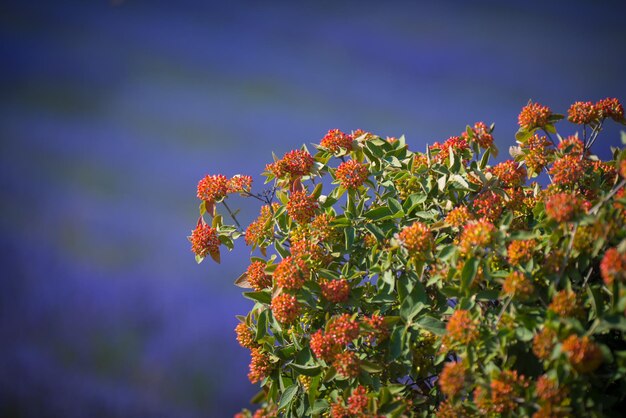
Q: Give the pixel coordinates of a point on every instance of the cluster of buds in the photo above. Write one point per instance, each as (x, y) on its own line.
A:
(583, 354)
(452, 379)
(214, 188)
(613, 266)
(478, 234)
(479, 133)
(518, 286)
(417, 239)
(335, 141)
(204, 240)
(351, 174)
(455, 143)
(534, 115)
(461, 328)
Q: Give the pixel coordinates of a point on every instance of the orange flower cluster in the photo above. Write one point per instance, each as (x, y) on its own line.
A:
(291, 273)
(459, 216)
(505, 389)
(296, 163)
(260, 366)
(336, 291)
(212, 188)
(534, 115)
(378, 330)
(343, 329)
(461, 328)
(456, 143)
(358, 401)
(553, 400)
(204, 240)
(261, 229)
(622, 168)
(510, 173)
(347, 364)
(335, 140)
(351, 174)
(477, 234)
(285, 308)
(257, 277)
(452, 379)
(543, 343)
(583, 354)
(301, 207)
(309, 251)
(321, 227)
(323, 346)
(611, 108)
(538, 153)
(416, 238)
(518, 286)
(239, 184)
(583, 113)
(563, 207)
(613, 266)
(481, 135)
(245, 336)
(568, 170)
(520, 251)
(565, 304)
(489, 205)
(572, 145)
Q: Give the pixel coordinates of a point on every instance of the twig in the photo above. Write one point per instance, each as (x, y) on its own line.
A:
(506, 305)
(232, 215)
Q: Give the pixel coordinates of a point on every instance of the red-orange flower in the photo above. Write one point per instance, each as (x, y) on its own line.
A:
(477, 234)
(543, 343)
(534, 115)
(461, 328)
(358, 401)
(257, 277)
(343, 329)
(520, 251)
(245, 336)
(323, 345)
(301, 207)
(285, 308)
(212, 188)
(482, 135)
(568, 170)
(336, 291)
(291, 273)
(538, 152)
(296, 163)
(563, 207)
(506, 387)
(489, 205)
(416, 238)
(510, 173)
(239, 184)
(613, 266)
(517, 285)
(566, 304)
(456, 143)
(459, 216)
(347, 364)
(351, 174)
(452, 379)
(583, 113)
(611, 108)
(335, 140)
(260, 230)
(260, 366)
(583, 354)
(204, 240)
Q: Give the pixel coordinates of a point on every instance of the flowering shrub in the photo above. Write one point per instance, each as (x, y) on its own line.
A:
(390, 282)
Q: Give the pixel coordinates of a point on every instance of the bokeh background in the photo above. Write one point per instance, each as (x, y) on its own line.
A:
(111, 112)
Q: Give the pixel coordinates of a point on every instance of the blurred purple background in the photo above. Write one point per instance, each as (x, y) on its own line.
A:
(111, 113)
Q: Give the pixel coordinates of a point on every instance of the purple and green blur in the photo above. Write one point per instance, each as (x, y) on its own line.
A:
(110, 113)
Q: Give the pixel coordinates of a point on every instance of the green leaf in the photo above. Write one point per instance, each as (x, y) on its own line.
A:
(262, 296)
(306, 370)
(318, 407)
(431, 324)
(371, 367)
(378, 214)
(349, 237)
(469, 272)
(288, 395)
(261, 325)
(376, 231)
(523, 334)
(395, 207)
(413, 303)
